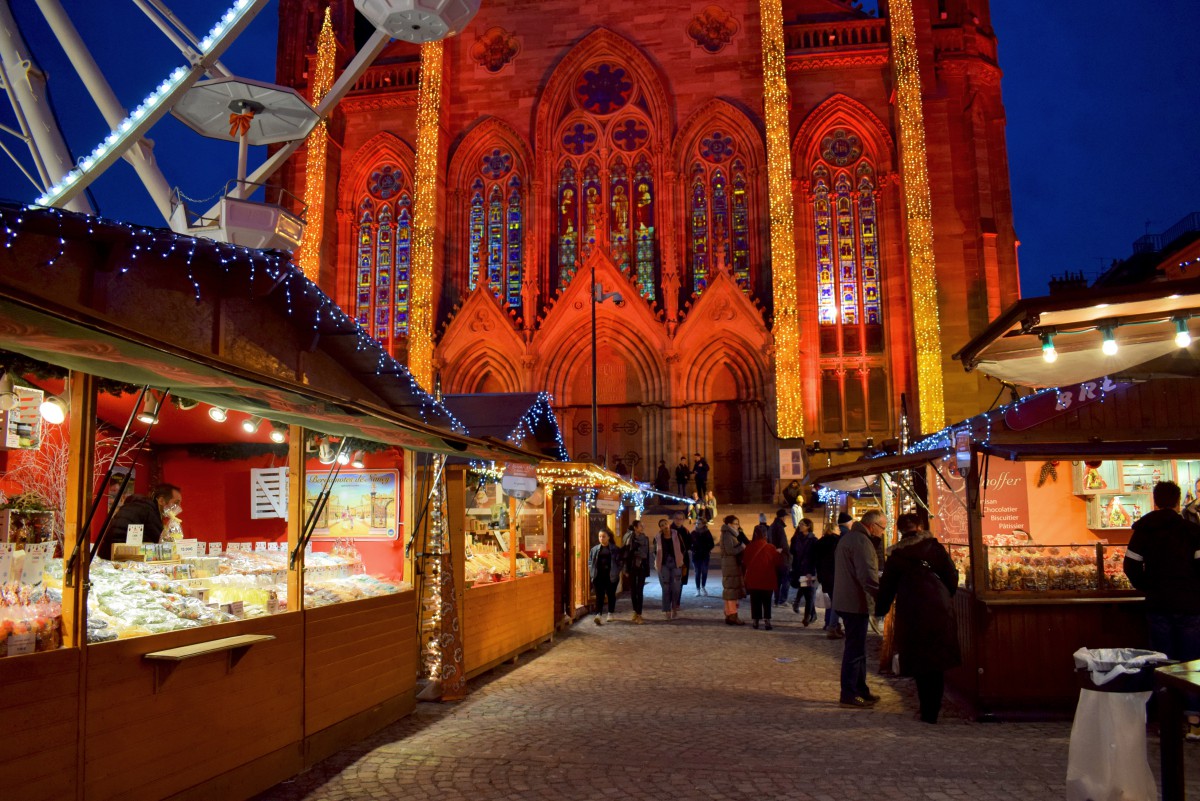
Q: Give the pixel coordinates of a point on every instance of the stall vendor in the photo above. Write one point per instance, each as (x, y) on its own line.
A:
(145, 511)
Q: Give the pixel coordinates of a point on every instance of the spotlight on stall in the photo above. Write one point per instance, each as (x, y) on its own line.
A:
(1048, 351)
(419, 21)
(149, 411)
(218, 414)
(357, 461)
(278, 433)
(1109, 347)
(1183, 337)
(343, 458)
(53, 410)
(325, 452)
(250, 424)
(8, 393)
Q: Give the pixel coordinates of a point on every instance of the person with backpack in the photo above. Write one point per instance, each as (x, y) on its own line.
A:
(920, 578)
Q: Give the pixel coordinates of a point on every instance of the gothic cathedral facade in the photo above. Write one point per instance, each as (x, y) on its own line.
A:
(626, 140)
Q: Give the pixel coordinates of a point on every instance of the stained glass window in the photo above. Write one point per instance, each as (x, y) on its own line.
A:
(869, 246)
(605, 191)
(847, 269)
(826, 292)
(516, 261)
(496, 227)
(384, 255)
(720, 236)
(475, 235)
(495, 235)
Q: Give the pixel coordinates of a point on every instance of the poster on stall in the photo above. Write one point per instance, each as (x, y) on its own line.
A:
(362, 504)
(1005, 501)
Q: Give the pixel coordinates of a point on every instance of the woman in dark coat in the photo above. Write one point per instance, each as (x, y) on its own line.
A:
(824, 557)
(762, 561)
(732, 588)
(920, 577)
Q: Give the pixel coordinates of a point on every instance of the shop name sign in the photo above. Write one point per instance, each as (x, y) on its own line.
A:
(1037, 409)
(519, 480)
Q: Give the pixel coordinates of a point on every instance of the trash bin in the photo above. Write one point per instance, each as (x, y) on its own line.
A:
(1107, 758)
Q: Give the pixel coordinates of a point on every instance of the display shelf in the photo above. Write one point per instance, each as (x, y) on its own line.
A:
(1117, 511)
(1090, 478)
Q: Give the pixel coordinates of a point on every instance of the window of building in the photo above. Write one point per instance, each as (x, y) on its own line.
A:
(496, 227)
(383, 259)
(718, 216)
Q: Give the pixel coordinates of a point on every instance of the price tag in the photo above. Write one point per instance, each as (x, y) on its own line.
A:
(237, 609)
(260, 546)
(19, 644)
(188, 549)
(272, 606)
(6, 555)
(214, 549)
(35, 561)
(133, 534)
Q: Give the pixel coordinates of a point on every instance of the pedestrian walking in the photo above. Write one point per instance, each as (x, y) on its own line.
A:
(732, 587)
(662, 479)
(804, 569)
(684, 532)
(762, 561)
(777, 536)
(700, 472)
(1163, 561)
(604, 568)
(682, 474)
(856, 582)
(637, 567)
(920, 578)
(702, 547)
(669, 562)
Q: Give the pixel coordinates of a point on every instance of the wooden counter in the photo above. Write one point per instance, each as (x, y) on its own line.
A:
(1017, 653)
(39, 705)
(505, 619)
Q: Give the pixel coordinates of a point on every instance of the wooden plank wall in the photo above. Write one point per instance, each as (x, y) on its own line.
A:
(358, 655)
(502, 620)
(39, 705)
(964, 679)
(204, 721)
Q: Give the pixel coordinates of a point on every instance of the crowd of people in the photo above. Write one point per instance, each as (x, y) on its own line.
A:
(843, 566)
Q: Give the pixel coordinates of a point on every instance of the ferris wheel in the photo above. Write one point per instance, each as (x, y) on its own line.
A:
(204, 95)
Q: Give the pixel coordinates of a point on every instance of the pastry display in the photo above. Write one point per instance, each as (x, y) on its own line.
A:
(1039, 569)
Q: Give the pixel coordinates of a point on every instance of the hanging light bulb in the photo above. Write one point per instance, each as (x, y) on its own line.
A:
(1110, 341)
(343, 458)
(357, 461)
(250, 424)
(218, 414)
(8, 393)
(53, 410)
(1048, 351)
(278, 434)
(325, 452)
(149, 411)
(1183, 337)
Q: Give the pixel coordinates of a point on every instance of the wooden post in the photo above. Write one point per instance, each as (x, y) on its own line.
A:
(81, 459)
(979, 566)
(514, 531)
(296, 512)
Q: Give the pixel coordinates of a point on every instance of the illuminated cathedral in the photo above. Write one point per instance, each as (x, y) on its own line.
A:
(628, 139)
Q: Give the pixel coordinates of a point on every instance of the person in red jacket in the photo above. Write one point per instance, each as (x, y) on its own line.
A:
(761, 561)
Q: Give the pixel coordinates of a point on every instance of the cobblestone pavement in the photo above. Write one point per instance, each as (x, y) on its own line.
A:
(691, 709)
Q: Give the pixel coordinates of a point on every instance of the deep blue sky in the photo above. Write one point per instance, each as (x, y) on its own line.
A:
(1101, 97)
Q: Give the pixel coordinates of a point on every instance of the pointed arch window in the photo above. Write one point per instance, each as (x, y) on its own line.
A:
(496, 227)
(718, 212)
(606, 190)
(382, 272)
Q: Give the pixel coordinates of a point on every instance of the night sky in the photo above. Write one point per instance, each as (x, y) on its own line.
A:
(1101, 97)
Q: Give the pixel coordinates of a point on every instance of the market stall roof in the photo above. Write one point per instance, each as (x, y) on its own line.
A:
(1140, 449)
(521, 418)
(862, 468)
(584, 475)
(1143, 319)
(128, 304)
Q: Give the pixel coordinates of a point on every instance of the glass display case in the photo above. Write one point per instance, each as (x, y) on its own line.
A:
(1092, 567)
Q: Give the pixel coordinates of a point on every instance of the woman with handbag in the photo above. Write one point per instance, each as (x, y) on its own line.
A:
(920, 578)
(732, 587)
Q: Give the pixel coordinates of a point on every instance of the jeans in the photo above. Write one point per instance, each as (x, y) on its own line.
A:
(781, 591)
(671, 579)
(701, 487)
(682, 488)
(831, 619)
(929, 693)
(760, 604)
(637, 592)
(605, 588)
(854, 656)
(701, 569)
(1177, 636)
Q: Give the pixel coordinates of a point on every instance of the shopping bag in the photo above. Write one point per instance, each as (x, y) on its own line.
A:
(1107, 757)
(822, 599)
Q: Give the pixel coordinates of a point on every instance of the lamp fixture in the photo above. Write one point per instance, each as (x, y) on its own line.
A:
(845, 444)
(1048, 352)
(278, 434)
(250, 424)
(218, 414)
(357, 461)
(343, 458)
(8, 393)
(149, 410)
(1110, 341)
(1183, 337)
(325, 452)
(53, 410)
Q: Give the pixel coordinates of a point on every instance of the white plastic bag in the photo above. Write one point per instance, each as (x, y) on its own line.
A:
(1105, 664)
(822, 599)
(1107, 758)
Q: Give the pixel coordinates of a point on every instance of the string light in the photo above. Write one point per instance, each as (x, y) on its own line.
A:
(429, 101)
(308, 255)
(789, 399)
(914, 173)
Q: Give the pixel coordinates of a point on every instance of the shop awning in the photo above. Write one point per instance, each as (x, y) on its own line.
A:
(861, 469)
(1076, 451)
(583, 475)
(1143, 320)
(106, 351)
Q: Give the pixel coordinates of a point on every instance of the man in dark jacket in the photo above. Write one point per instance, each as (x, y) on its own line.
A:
(777, 536)
(700, 471)
(682, 474)
(804, 568)
(662, 479)
(824, 554)
(145, 511)
(1163, 561)
(702, 548)
(856, 582)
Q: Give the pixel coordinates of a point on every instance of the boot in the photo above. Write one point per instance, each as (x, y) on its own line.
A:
(756, 623)
(731, 620)
(767, 625)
